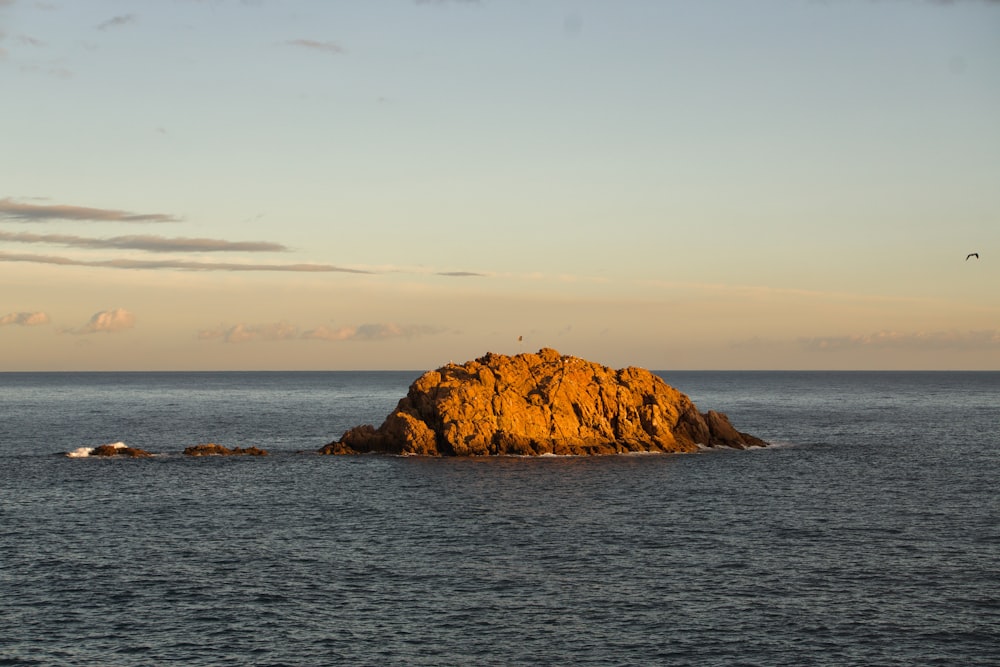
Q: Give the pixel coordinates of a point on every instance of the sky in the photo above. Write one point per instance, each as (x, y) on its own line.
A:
(396, 184)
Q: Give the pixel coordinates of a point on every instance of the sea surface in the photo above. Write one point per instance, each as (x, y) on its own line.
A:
(869, 534)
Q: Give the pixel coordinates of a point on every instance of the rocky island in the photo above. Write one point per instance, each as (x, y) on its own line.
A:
(537, 404)
(120, 449)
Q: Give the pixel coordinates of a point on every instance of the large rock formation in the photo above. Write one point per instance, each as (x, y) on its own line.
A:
(543, 403)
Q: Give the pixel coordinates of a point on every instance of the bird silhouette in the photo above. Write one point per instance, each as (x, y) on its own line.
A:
(972, 254)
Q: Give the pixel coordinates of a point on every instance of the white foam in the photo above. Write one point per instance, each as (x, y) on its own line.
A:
(781, 444)
(83, 452)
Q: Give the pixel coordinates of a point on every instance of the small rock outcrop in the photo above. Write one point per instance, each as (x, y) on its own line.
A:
(536, 404)
(212, 449)
(119, 450)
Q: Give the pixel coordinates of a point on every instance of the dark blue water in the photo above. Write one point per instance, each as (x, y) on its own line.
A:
(869, 536)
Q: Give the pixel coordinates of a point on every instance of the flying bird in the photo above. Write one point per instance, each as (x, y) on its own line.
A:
(972, 254)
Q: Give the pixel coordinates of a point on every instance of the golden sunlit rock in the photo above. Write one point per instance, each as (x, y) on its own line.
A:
(537, 404)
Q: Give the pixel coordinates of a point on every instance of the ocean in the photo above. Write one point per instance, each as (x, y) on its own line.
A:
(869, 534)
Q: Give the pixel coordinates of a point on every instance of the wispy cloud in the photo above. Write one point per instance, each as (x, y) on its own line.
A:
(25, 319)
(380, 331)
(57, 71)
(276, 331)
(14, 210)
(896, 339)
(183, 265)
(106, 321)
(149, 243)
(743, 291)
(332, 48)
(460, 274)
(117, 21)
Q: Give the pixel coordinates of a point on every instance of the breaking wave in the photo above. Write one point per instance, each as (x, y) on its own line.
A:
(84, 452)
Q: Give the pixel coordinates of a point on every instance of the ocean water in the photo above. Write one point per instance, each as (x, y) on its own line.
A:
(868, 535)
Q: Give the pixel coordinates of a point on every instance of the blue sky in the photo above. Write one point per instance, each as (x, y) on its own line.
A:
(264, 184)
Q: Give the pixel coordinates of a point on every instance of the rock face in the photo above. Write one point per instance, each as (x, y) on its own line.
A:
(212, 449)
(545, 403)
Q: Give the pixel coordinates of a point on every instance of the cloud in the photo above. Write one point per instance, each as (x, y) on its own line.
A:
(30, 41)
(149, 243)
(106, 321)
(326, 47)
(12, 210)
(117, 21)
(58, 72)
(183, 265)
(186, 265)
(328, 333)
(24, 319)
(459, 274)
(369, 332)
(242, 333)
(894, 339)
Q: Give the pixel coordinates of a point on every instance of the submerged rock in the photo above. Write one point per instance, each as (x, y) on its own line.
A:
(545, 403)
(212, 449)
